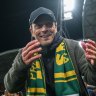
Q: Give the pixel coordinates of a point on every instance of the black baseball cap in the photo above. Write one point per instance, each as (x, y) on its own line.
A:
(41, 11)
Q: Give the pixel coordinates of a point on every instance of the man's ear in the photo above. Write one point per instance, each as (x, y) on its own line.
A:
(55, 23)
(31, 31)
(30, 28)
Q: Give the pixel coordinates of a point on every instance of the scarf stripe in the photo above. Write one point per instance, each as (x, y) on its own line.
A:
(64, 75)
(60, 81)
(40, 90)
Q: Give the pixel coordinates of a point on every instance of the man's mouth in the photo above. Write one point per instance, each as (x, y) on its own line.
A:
(45, 35)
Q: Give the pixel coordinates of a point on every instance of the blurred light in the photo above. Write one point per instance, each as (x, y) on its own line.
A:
(68, 16)
(68, 8)
(69, 5)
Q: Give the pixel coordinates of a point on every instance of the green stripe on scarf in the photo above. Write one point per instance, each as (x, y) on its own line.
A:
(65, 78)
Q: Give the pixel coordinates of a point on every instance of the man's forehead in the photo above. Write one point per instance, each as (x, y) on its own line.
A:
(43, 19)
(43, 23)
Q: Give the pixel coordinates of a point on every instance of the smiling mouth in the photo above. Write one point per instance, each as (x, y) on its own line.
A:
(45, 35)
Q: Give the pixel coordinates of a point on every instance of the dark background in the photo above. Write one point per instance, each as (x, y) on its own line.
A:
(14, 17)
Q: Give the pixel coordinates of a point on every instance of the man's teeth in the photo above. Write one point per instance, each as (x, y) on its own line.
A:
(45, 35)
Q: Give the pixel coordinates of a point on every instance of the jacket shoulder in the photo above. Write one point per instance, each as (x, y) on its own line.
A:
(71, 42)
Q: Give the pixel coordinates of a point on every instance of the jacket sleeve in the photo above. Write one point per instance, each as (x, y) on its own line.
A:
(86, 69)
(15, 79)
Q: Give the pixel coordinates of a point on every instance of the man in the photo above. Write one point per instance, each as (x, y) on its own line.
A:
(50, 64)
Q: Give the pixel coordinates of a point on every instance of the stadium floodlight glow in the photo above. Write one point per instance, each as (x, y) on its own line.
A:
(68, 8)
(68, 5)
(68, 16)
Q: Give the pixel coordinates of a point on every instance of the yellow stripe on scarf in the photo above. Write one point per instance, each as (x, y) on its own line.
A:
(65, 75)
(39, 90)
(36, 95)
(58, 81)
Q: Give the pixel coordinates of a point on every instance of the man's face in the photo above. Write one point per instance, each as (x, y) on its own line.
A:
(44, 31)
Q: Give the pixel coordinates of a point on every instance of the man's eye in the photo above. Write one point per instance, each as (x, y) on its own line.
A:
(38, 26)
(49, 24)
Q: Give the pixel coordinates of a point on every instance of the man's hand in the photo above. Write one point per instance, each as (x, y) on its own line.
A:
(28, 52)
(90, 50)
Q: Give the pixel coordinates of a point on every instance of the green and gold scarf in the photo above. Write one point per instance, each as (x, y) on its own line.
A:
(65, 78)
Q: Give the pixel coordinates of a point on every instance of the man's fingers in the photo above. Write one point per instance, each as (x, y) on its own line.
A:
(92, 61)
(29, 61)
(28, 52)
(90, 56)
(90, 51)
(31, 53)
(31, 47)
(91, 42)
(90, 46)
(30, 43)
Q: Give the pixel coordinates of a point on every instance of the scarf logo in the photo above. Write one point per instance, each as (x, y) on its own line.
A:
(33, 72)
(61, 55)
(61, 59)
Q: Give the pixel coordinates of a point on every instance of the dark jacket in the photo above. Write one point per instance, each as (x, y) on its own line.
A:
(16, 77)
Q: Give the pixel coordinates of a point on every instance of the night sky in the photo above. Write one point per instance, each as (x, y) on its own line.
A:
(14, 16)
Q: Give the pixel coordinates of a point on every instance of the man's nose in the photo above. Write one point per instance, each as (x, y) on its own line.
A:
(44, 27)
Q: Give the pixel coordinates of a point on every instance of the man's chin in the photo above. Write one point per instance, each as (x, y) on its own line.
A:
(46, 43)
